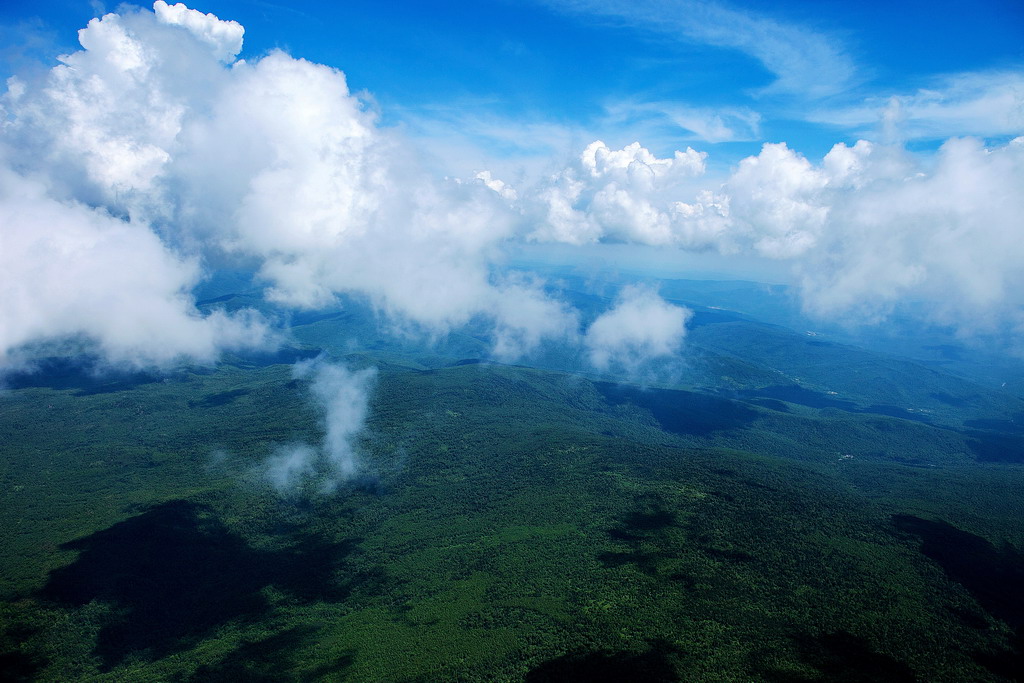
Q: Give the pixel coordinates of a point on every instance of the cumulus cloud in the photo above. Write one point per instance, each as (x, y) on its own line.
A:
(342, 397)
(951, 234)
(74, 271)
(867, 227)
(774, 199)
(225, 37)
(270, 160)
(640, 327)
(152, 150)
(527, 317)
(83, 156)
(772, 203)
(873, 225)
(613, 194)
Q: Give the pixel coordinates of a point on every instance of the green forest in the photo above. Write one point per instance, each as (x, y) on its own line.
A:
(783, 509)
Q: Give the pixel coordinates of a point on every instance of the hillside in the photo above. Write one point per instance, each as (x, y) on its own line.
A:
(517, 523)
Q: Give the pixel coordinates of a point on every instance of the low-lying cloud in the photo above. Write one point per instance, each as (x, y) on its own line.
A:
(638, 328)
(866, 228)
(73, 271)
(342, 397)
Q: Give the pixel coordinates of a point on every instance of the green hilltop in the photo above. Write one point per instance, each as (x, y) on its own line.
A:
(777, 507)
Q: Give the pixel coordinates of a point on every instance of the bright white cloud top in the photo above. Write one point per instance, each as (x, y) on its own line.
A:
(272, 160)
(152, 151)
(639, 327)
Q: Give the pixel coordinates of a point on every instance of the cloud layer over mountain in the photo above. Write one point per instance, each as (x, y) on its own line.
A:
(867, 227)
(153, 152)
(154, 137)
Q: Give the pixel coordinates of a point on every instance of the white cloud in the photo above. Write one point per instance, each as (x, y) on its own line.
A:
(872, 226)
(775, 199)
(710, 124)
(805, 62)
(273, 160)
(70, 271)
(985, 103)
(290, 466)
(499, 186)
(868, 227)
(526, 317)
(726, 124)
(147, 141)
(225, 37)
(950, 233)
(640, 327)
(612, 194)
(342, 397)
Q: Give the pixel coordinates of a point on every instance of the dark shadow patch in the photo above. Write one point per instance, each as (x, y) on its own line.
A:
(17, 663)
(224, 298)
(894, 411)
(993, 576)
(269, 660)
(969, 618)
(793, 393)
(705, 317)
(219, 399)
(946, 351)
(256, 359)
(18, 659)
(995, 447)
(681, 412)
(1007, 663)
(18, 666)
(771, 404)
(310, 317)
(175, 572)
(642, 530)
(649, 518)
(654, 518)
(1014, 425)
(842, 657)
(604, 666)
(729, 555)
(758, 485)
(83, 374)
(948, 399)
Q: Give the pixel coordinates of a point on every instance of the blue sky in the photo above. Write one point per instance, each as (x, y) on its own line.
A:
(723, 76)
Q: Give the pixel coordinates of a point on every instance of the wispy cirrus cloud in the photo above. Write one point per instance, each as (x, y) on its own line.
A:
(804, 62)
(985, 103)
(707, 124)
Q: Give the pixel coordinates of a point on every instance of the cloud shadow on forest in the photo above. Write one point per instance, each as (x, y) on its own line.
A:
(175, 572)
